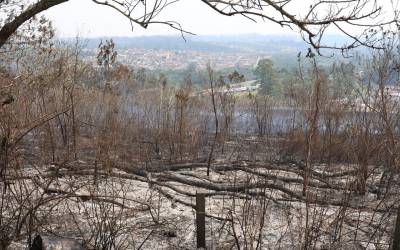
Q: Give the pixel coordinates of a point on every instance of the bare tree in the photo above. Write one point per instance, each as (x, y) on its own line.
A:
(211, 79)
(15, 13)
(319, 16)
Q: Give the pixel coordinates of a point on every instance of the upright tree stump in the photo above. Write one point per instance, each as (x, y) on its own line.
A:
(396, 234)
(201, 220)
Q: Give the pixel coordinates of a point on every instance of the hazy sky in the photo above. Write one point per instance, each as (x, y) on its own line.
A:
(87, 19)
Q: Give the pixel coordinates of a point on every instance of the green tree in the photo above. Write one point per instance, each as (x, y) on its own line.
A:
(343, 76)
(266, 73)
(235, 77)
(141, 75)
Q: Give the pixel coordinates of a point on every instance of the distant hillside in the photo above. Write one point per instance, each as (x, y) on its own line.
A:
(271, 44)
(242, 43)
(163, 43)
(248, 43)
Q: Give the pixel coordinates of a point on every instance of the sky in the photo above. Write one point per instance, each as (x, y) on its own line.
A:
(86, 19)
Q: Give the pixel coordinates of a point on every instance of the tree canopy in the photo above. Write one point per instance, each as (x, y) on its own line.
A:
(265, 71)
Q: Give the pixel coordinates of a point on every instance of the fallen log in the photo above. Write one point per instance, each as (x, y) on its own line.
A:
(55, 243)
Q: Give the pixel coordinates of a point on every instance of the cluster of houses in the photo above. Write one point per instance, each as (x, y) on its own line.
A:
(246, 87)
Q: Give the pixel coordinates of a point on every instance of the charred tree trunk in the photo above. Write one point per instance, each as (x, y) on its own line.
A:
(3, 157)
(396, 235)
(11, 27)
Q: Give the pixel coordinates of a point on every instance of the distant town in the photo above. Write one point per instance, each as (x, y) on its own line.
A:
(174, 53)
(153, 59)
